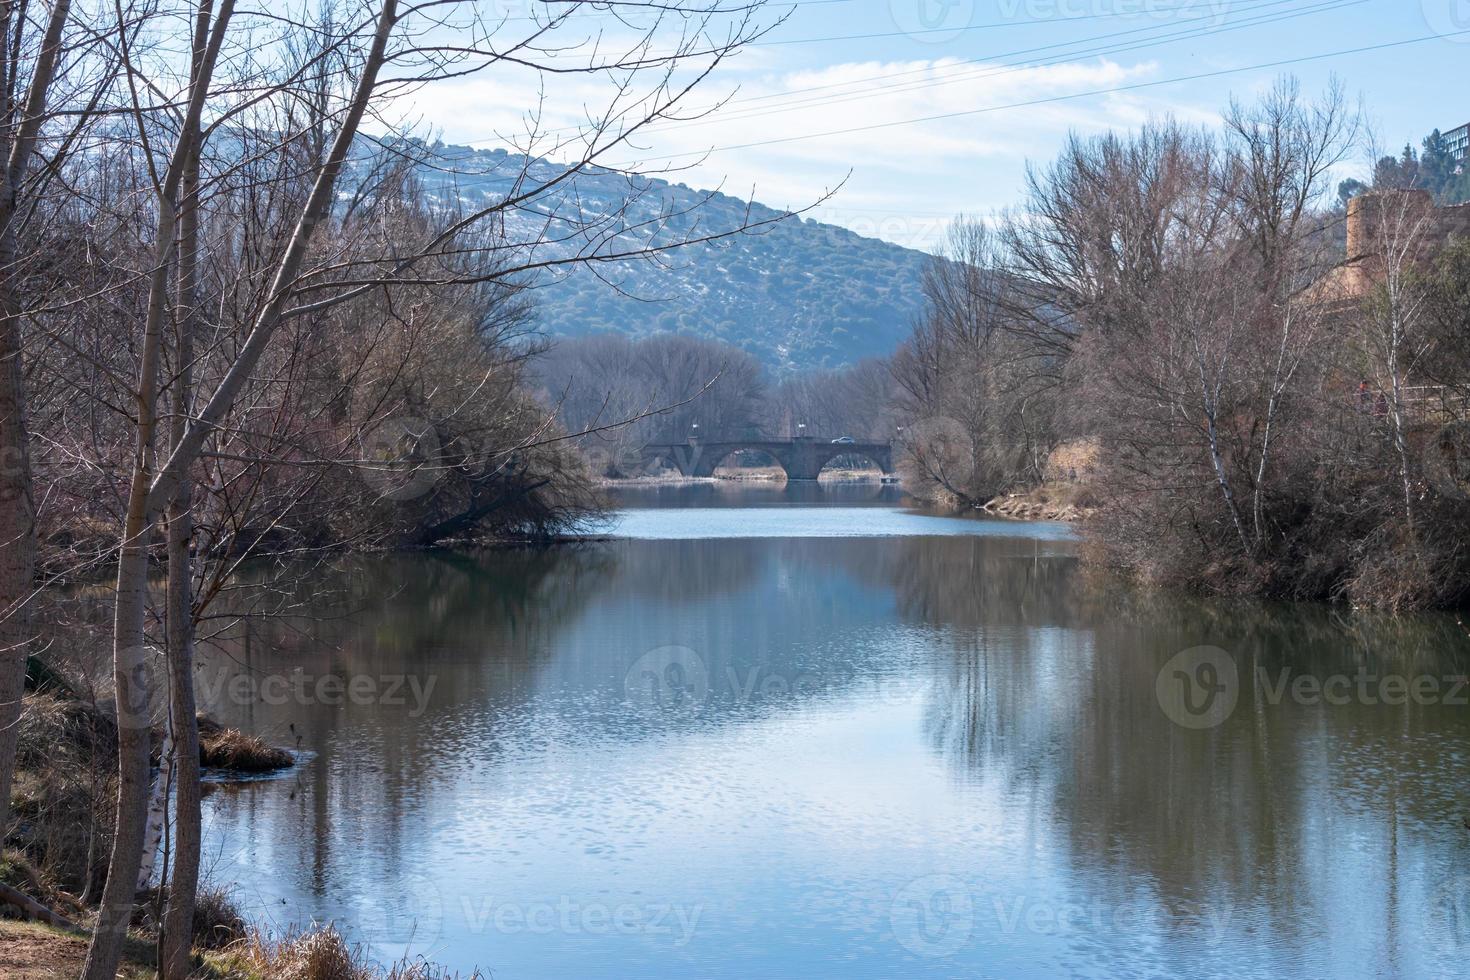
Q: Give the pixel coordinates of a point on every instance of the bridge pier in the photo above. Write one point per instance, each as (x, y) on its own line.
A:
(801, 458)
(801, 461)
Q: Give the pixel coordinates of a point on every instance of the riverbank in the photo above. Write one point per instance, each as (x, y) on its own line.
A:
(1049, 502)
(31, 951)
(55, 858)
(55, 861)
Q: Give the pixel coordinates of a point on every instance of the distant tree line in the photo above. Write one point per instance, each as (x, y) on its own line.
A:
(681, 387)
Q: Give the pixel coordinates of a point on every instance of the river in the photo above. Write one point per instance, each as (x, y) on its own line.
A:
(768, 733)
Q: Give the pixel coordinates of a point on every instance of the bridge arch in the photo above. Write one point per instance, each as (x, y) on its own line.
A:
(860, 456)
(711, 461)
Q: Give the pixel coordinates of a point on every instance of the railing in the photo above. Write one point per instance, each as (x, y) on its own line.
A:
(767, 440)
(1419, 401)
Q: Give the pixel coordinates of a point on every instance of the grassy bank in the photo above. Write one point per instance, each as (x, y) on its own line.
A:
(31, 951)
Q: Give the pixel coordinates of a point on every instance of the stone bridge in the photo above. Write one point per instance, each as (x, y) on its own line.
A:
(802, 459)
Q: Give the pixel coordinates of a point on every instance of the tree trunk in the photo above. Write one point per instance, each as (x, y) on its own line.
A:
(134, 697)
(178, 920)
(130, 660)
(157, 810)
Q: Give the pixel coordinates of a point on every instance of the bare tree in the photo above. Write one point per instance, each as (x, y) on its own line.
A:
(32, 63)
(284, 124)
(976, 395)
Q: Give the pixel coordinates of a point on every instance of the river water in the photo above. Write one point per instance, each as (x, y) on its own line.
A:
(808, 733)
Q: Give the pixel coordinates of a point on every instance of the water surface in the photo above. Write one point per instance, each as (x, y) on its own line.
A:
(806, 733)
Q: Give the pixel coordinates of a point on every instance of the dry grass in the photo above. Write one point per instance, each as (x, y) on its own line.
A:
(217, 922)
(1075, 461)
(226, 748)
(66, 781)
(319, 955)
(1048, 502)
(63, 790)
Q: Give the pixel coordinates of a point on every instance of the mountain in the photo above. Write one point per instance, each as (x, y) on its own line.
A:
(798, 294)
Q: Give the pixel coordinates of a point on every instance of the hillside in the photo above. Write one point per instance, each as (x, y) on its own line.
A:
(799, 294)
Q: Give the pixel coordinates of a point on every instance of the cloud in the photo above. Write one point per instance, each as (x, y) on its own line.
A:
(903, 179)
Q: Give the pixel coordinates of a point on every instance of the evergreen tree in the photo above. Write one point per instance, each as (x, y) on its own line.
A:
(1349, 189)
(1436, 167)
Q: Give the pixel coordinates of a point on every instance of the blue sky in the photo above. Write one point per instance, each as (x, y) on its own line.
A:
(948, 57)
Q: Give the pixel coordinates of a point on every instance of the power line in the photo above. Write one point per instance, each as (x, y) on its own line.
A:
(984, 58)
(613, 15)
(992, 26)
(991, 71)
(1286, 62)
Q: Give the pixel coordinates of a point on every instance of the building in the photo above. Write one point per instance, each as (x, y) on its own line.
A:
(1380, 222)
(1457, 141)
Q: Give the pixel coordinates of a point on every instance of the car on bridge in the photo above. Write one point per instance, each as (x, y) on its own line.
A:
(843, 441)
